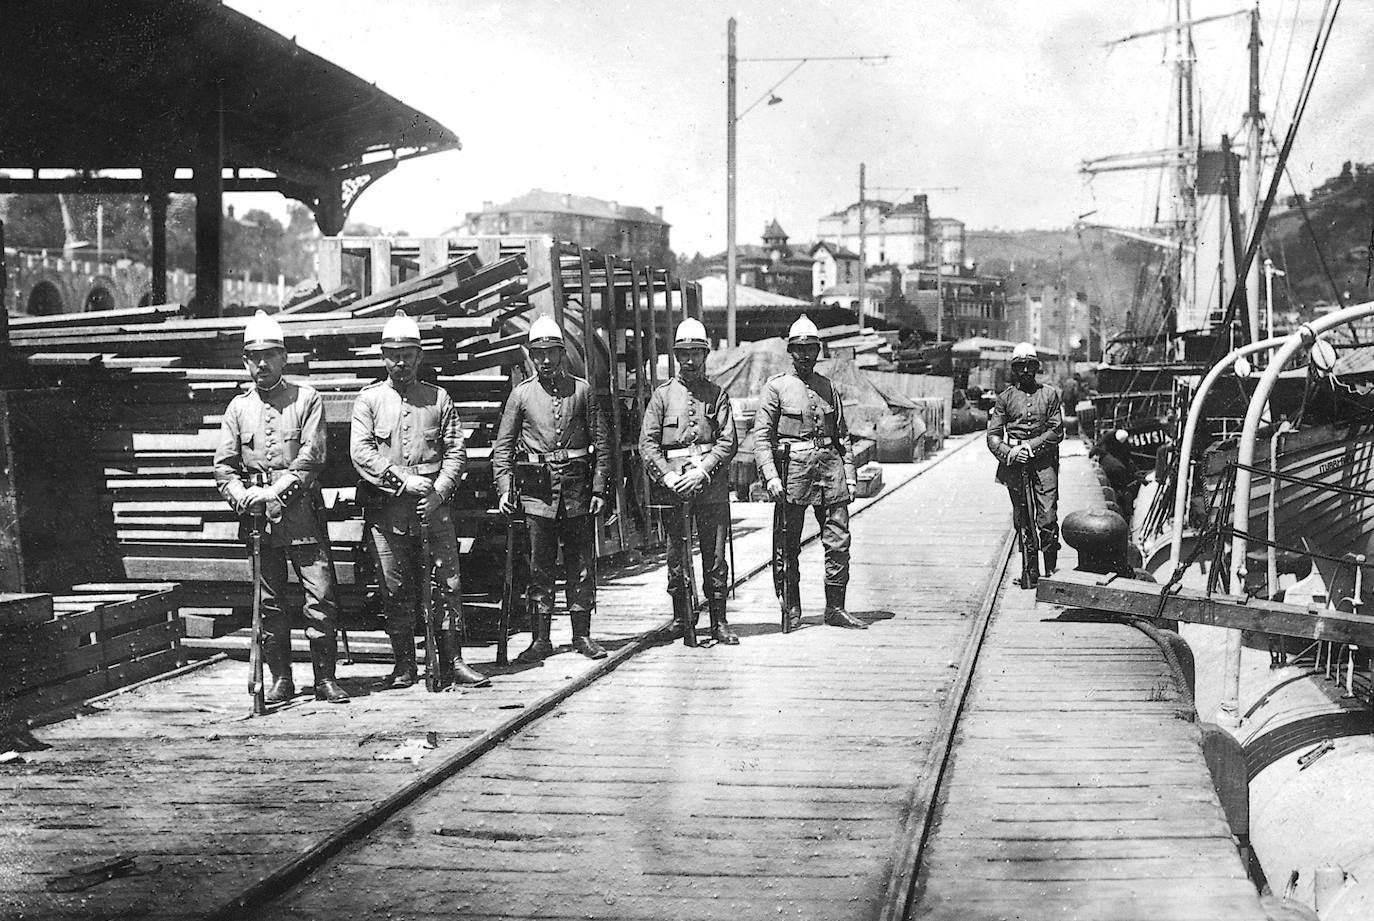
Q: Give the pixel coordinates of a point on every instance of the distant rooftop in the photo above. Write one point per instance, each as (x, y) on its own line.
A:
(834, 249)
(566, 203)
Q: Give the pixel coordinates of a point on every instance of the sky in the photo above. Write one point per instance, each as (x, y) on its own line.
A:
(991, 105)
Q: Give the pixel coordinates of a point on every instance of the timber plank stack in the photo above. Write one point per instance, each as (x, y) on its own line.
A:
(155, 385)
(152, 385)
(57, 650)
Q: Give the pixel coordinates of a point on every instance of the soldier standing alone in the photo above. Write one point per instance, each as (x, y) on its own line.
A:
(271, 451)
(801, 445)
(687, 441)
(554, 445)
(1025, 428)
(407, 446)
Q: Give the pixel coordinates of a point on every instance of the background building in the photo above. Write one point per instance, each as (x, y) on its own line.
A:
(901, 234)
(958, 305)
(832, 266)
(774, 267)
(608, 226)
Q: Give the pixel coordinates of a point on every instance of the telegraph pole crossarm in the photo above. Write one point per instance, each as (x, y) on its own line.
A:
(732, 119)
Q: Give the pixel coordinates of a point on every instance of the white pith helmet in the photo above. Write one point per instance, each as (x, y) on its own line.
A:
(803, 332)
(262, 332)
(1024, 352)
(544, 332)
(691, 335)
(401, 330)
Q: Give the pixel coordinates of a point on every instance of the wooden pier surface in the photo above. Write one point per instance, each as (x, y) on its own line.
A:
(769, 780)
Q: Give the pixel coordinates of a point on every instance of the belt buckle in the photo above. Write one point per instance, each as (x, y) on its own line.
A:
(560, 455)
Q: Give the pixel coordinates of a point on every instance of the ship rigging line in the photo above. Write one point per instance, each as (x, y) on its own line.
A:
(1314, 61)
(1316, 244)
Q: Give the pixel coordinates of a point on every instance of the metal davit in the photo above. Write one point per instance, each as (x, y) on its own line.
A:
(1228, 713)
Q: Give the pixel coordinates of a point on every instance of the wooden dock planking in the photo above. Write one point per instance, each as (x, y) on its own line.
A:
(168, 757)
(794, 752)
(1075, 791)
(763, 780)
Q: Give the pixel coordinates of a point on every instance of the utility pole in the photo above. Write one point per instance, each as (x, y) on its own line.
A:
(939, 307)
(730, 305)
(1254, 123)
(731, 162)
(863, 251)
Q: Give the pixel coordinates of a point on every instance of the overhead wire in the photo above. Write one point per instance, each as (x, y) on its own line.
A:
(1323, 36)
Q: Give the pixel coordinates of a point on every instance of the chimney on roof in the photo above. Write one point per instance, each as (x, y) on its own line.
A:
(487, 205)
(658, 212)
(615, 205)
(567, 201)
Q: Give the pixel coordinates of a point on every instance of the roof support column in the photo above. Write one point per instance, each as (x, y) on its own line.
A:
(209, 267)
(209, 186)
(157, 225)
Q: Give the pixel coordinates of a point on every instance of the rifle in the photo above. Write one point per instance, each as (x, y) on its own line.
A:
(1028, 534)
(780, 534)
(689, 624)
(255, 678)
(432, 664)
(507, 591)
(256, 685)
(730, 539)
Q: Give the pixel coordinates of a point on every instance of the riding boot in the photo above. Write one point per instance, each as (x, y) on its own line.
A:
(791, 607)
(454, 671)
(677, 630)
(1030, 570)
(835, 614)
(323, 652)
(1051, 560)
(541, 626)
(720, 630)
(403, 673)
(582, 636)
(276, 654)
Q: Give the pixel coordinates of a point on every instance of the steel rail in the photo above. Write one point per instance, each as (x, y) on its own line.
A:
(900, 893)
(290, 873)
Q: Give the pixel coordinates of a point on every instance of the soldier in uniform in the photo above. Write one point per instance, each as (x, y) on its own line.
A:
(687, 441)
(271, 451)
(1025, 428)
(407, 446)
(554, 445)
(801, 444)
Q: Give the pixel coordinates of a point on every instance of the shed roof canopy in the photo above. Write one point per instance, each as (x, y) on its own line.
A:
(140, 83)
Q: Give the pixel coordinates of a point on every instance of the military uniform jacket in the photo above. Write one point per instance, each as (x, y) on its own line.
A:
(694, 423)
(550, 420)
(804, 419)
(397, 433)
(278, 436)
(1019, 417)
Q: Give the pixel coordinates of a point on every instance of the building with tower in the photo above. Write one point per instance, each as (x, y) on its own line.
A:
(774, 267)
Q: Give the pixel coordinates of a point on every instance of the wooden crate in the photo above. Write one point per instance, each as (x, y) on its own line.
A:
(100, 637)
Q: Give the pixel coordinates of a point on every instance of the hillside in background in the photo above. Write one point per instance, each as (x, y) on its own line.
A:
(1340, 228)
(1121, 275)
(1114, 273)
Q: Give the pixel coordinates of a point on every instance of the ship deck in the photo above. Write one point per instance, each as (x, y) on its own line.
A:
(968, 756)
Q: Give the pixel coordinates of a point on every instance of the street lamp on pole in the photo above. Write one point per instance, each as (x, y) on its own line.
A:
(731, 120)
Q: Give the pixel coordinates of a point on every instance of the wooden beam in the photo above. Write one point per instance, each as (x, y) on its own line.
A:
(1141, 599)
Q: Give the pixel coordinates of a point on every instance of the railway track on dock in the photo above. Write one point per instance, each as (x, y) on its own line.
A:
(532, 798)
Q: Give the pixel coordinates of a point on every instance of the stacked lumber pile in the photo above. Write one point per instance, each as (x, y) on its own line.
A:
(145, 390)
(869, 349)
(153, 386)
(57, 650)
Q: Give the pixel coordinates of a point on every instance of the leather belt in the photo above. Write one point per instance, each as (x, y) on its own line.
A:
(562, 454)
(818, 442)
(429, 469)
(686, 451)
